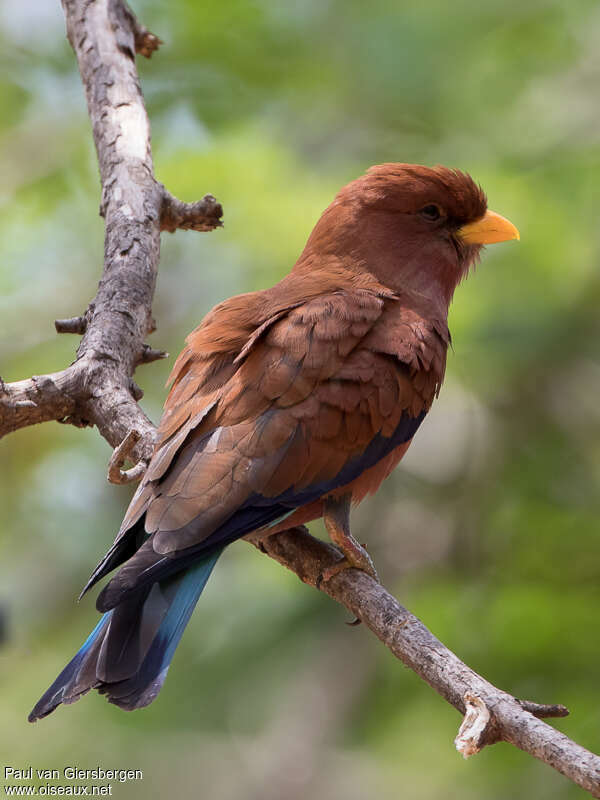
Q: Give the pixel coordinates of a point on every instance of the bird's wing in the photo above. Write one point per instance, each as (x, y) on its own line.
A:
(312, 399)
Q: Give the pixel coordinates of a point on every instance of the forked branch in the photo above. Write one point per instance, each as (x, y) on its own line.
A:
(97, 389)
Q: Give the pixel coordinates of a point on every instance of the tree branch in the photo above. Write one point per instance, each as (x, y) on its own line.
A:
(71, 325)
(201, 216)
(145, 42)
(492, 715)
(121, 453)
(98, 387)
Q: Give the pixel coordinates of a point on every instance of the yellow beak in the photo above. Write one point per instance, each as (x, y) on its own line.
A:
(491, 228)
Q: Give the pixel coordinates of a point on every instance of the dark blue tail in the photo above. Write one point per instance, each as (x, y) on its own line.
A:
(127, 655)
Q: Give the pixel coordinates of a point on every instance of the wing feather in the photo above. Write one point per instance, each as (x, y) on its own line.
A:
(311, 396)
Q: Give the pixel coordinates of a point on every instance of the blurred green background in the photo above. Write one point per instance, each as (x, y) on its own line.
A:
(489, 529)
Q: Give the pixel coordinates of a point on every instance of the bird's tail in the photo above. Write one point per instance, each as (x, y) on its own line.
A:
(127, 655)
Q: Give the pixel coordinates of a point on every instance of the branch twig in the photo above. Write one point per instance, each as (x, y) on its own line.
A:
(150, 354)
(71, 325)
(121, 453)
(145, 42)
(201, 216)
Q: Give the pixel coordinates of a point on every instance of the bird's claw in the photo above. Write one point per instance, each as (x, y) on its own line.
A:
(359, 559)
(333, 569)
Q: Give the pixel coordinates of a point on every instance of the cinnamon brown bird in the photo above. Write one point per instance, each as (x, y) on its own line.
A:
(286, 405)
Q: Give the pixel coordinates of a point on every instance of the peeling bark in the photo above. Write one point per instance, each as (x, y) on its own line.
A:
(98, 388)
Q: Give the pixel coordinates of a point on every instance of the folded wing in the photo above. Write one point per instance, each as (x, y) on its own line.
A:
(314, 396)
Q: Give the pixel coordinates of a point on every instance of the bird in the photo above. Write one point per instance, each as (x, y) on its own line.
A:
(286, 405)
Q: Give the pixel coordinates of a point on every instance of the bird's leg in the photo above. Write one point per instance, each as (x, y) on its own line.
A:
(336, 516)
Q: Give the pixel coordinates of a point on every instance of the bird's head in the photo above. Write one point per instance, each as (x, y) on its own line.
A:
(414, 228)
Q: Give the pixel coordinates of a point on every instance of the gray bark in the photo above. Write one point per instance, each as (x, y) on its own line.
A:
(507, 719)
(98, 388)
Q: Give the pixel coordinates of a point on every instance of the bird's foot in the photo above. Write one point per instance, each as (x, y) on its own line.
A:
(336, 516)
(354, 556)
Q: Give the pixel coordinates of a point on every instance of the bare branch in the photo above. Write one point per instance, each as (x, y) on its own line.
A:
(98, 388)
(509, 720)
(543, 711)
(71, 325)
(115, 472)
(149, 354)
(201, 216)
(39, 399)
(145, 42)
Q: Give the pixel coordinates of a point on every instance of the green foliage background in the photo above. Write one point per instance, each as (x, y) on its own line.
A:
(488, 531)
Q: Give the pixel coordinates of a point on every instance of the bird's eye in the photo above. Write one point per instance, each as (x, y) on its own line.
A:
(431, 212)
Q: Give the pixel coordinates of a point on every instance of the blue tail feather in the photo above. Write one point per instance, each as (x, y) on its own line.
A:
(141, 689)
(128, 653)
(62, 690)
